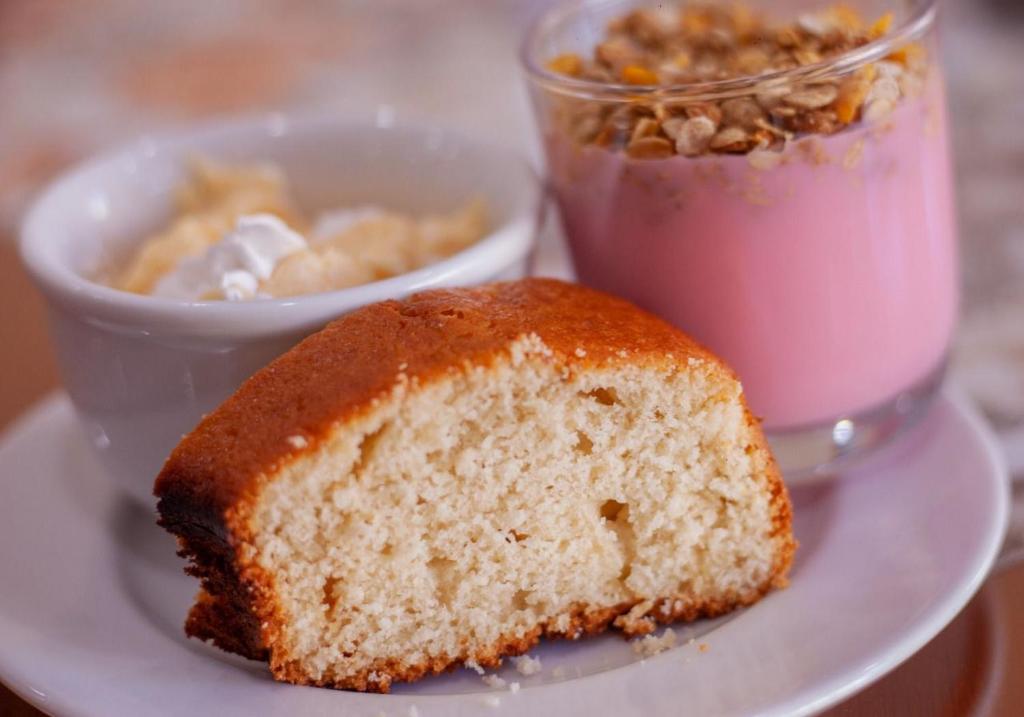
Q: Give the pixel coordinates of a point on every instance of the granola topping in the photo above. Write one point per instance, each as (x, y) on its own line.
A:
(675, 45)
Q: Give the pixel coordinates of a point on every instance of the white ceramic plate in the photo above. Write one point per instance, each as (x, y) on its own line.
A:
(92, 599)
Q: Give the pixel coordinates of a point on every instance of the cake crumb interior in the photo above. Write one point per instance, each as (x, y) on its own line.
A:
(462, 513)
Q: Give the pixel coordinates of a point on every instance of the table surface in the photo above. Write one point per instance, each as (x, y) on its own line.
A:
(140, 66)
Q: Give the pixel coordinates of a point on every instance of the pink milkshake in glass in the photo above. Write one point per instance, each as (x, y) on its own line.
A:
(776, 185)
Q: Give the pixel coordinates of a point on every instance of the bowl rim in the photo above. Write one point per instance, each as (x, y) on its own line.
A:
(501, 247)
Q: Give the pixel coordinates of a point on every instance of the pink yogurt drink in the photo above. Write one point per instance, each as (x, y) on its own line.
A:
(828, 281)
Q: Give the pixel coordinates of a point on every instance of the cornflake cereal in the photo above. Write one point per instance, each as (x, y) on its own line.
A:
(237, 234)
(666, 46)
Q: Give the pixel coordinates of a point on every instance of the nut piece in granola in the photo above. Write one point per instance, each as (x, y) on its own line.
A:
(813, 97)
(692, 136)
(742, 112)
(650, 148)
(730, 139)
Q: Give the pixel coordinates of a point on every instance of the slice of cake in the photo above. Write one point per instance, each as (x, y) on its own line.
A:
(446, 479)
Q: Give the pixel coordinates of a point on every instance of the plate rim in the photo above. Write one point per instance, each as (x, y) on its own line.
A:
(947, 609)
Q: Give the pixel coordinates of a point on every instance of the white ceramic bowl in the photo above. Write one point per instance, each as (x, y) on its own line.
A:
(141, 371)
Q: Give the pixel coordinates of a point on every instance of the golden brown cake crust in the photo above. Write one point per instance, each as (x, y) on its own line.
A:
(212, 477)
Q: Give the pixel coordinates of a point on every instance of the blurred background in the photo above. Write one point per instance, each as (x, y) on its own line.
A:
(77, 76)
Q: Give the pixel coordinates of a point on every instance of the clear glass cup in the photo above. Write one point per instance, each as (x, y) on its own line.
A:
(822, 266)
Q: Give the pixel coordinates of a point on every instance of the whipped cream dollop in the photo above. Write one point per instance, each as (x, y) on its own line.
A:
(235, 265)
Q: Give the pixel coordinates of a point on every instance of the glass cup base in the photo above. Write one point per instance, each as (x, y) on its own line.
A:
(815, 453)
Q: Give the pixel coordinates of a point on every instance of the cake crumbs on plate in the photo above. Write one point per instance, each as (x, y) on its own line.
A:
(491, 700)
(513, 687)
(526, 665)
(651, 645)
(558, 672)
(473, 665)
(703, 647)
(493, 681)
